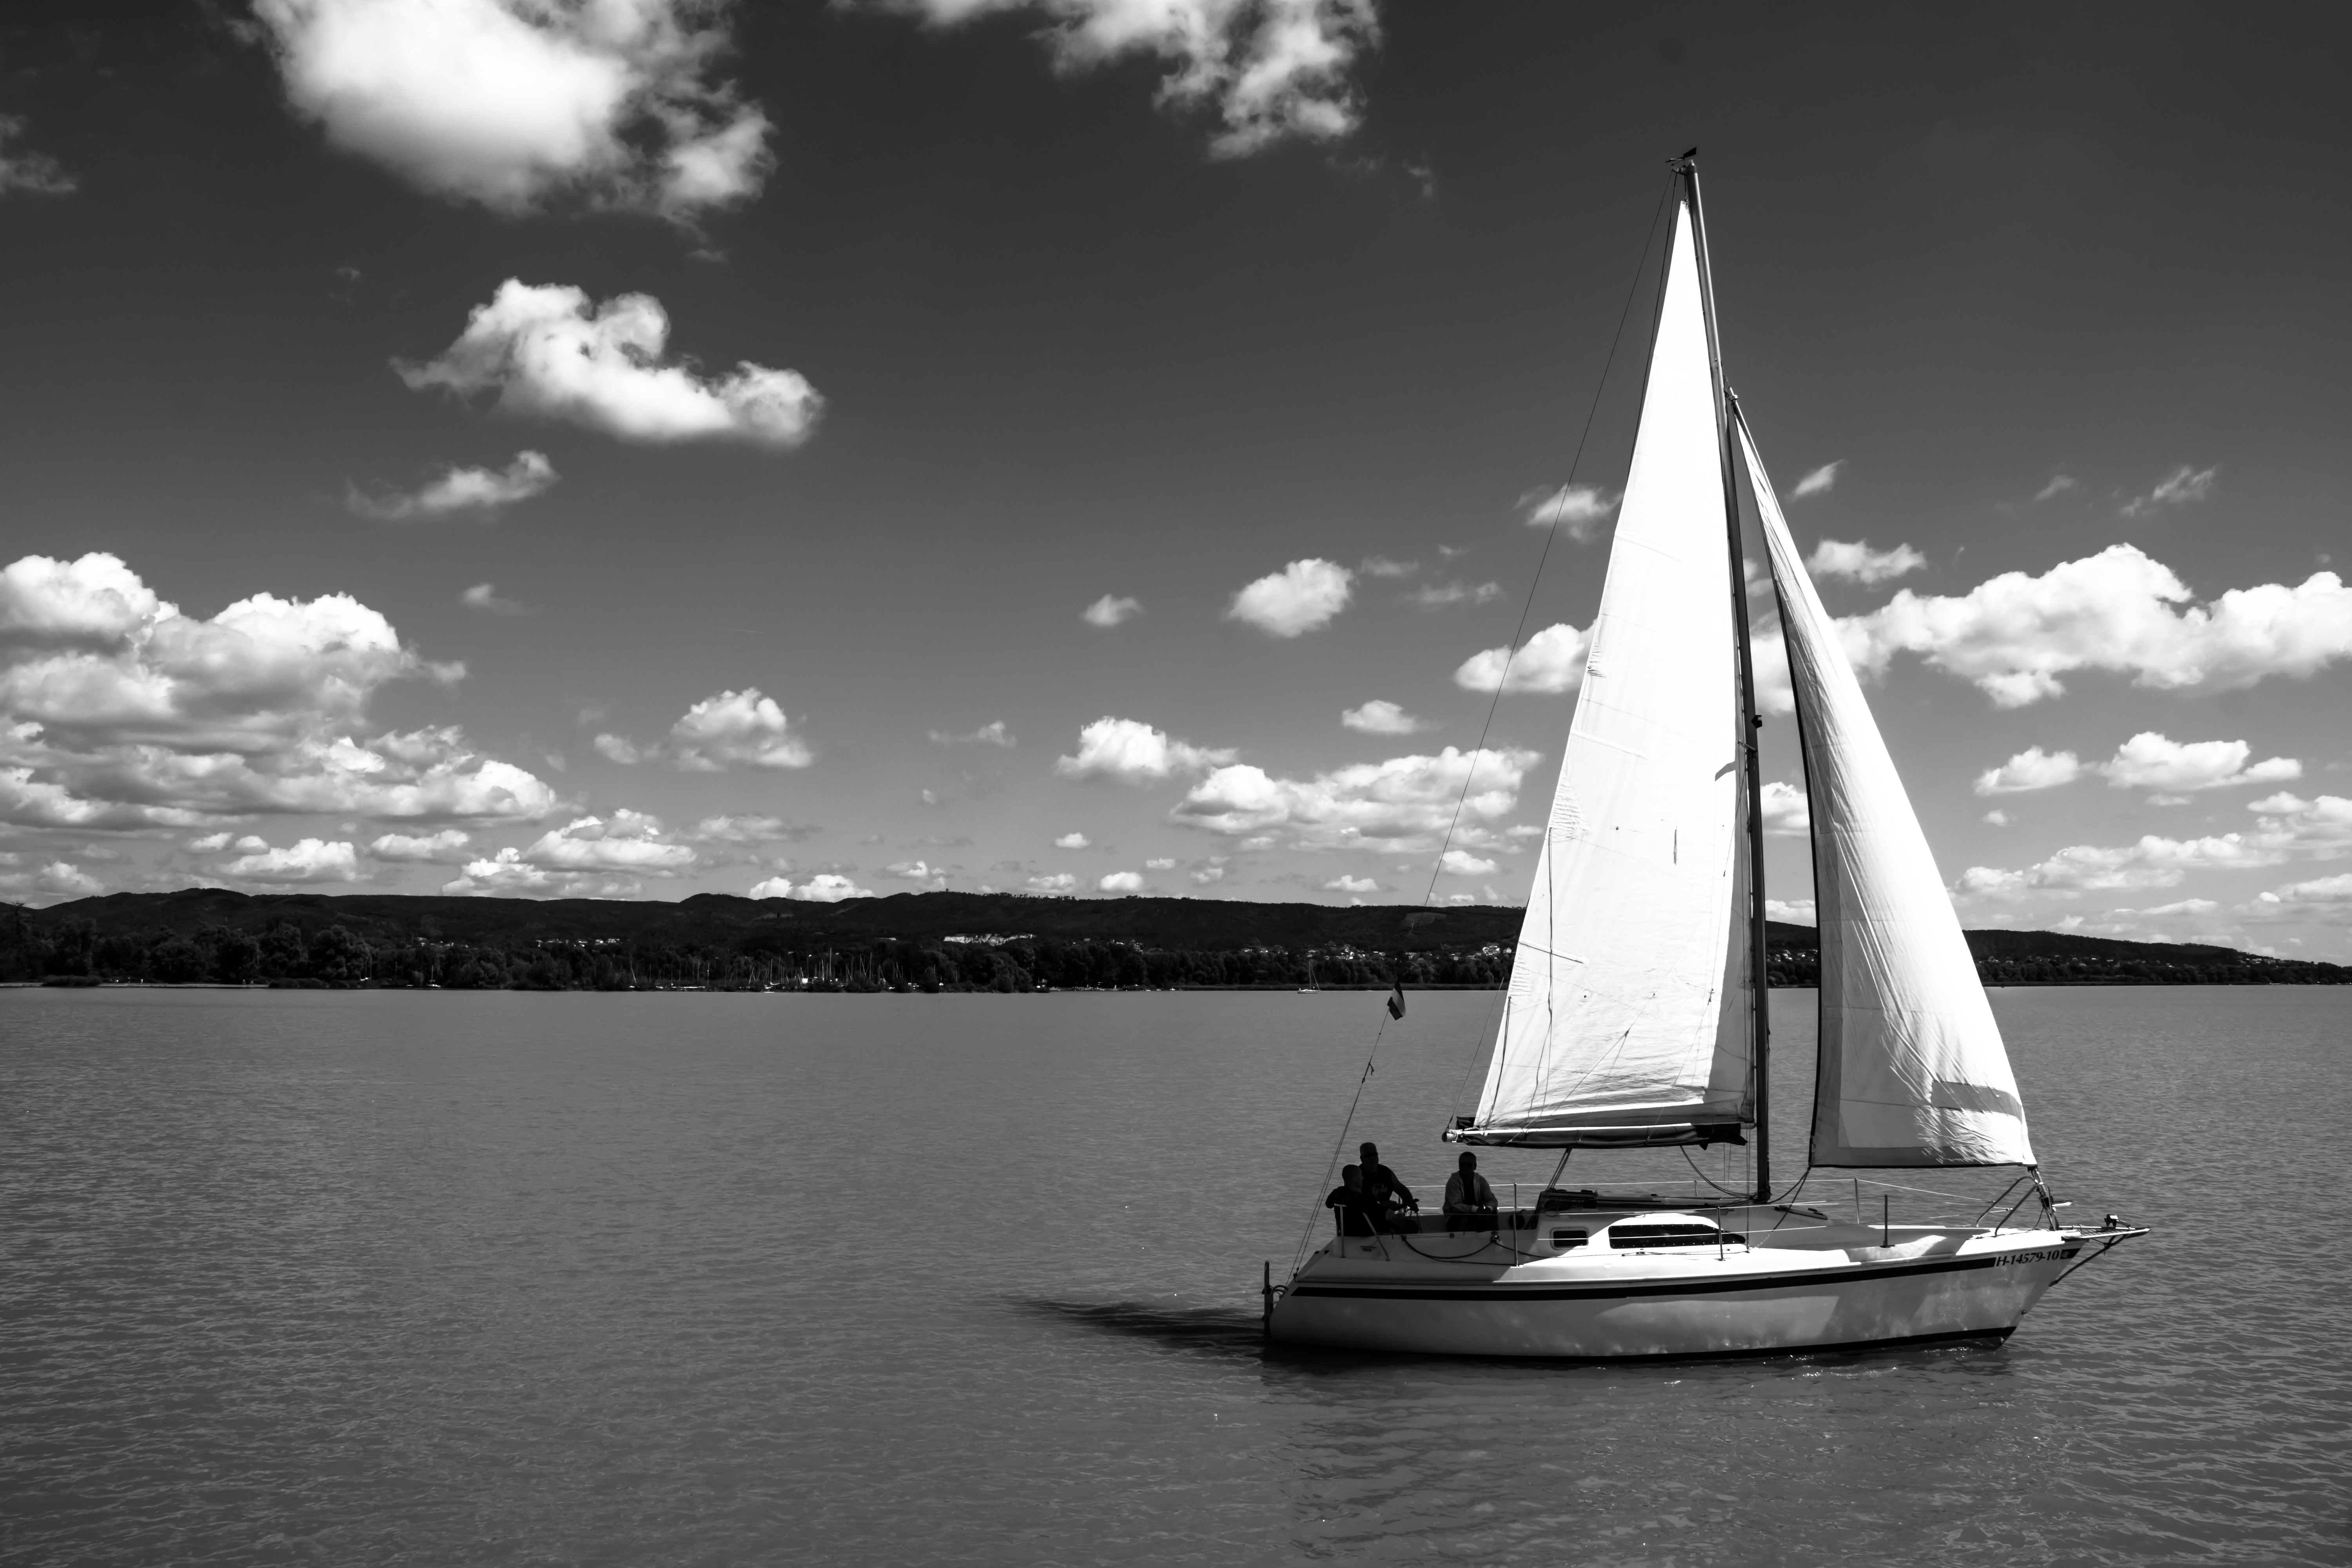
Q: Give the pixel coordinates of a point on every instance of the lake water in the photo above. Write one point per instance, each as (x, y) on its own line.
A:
(381, 1277)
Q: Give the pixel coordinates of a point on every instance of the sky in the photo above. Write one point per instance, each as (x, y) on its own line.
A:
(645, 448)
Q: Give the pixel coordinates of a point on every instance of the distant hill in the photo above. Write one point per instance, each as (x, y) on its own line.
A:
(950, 940)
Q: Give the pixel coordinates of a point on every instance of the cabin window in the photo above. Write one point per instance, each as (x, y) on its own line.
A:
(1561, 1240)
(1643, 1237)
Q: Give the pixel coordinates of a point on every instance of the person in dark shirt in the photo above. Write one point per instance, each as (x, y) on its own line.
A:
(1383, 1193)
(1468, 1193)
(1346, 1201)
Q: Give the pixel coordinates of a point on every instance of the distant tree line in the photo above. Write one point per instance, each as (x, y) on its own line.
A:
(283, 955)
(335, 956)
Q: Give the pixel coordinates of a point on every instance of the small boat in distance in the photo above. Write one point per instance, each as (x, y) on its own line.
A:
(1635, 1013)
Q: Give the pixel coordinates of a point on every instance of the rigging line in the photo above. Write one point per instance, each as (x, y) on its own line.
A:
(1551, 534)
(1338, 1149)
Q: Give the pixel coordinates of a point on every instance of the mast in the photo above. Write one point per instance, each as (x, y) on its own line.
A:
(1686, 170)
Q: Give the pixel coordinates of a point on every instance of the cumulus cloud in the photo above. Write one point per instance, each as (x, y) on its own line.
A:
(2323, 896)
(485, 597)
(118, 710)
(992, 734)
(1134, 752)
(304, 860)
(1380, 717)
(1159, 863)
(2150, 761)
(1382, 566)
(1438, 596)
(2031, 769)
(1357, 885)
(511, 102)
(481, 491)
(1121, 882)
(1577, 510)
(2180, 487)
(1996, 818)
(2153, 862)
(54, 879)
(1824, 477)
(2058, 486)
(1055, 882)
(1795, 912)
(572, 858)
(1073, 841)
(749, 828)
(1207, 875)
(2014, 634)
(1302, 598)
(1787, 812)
(1269, 70)
(935, 877)
(1552, 661)
(1858, 561)
(544, 351)
(728, 729)
(1401, 805)
(823, 888)
(35, 174)
(447, 847)
(1461, 863)
(1111, 610)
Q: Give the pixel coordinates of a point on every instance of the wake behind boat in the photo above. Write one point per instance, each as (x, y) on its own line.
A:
(1635, 1013)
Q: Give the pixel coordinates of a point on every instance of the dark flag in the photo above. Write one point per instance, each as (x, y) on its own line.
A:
(1396, 1003)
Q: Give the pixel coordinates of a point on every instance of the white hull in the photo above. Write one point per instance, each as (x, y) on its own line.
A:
(1822, 1289)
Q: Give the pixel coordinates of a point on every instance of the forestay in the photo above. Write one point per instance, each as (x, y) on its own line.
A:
(1912, 1070)
(1627, 1017)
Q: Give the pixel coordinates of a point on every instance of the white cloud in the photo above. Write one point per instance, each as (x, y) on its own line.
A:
(1552, 661)
(2058, 486)
(1159, 863)
(1401, 805)
(749, 828)
(118, 710)
(304, 860)
(478, 491)
(1057, 882)
(1072, 841)
(1824, 477)
(2149, 761)
(1111, 610)
(35, 173)
(1799, 911)
(508, 102)
(1302, 598)
(1207, 875)
(2153, 862)
(2030, 770)
(1358, 885)
(728, 729)
(825, 888)
(1382, 566)
(54, 879)
(1858, 561)
(1438, 596)
(571, 859)
(2320, 827)
(1787, 812)
(485, 597)
(1379, 717)
(447, 847)
(1998, 818)
(1134, 752)
(2321, 895)
(1271, 70)
(2014, 635)
(544, 351)
(935, 877)
(210, 843)
(1577, 510)
(2180, 487)
(1461, 863)
(992, 734)
(1121, 882)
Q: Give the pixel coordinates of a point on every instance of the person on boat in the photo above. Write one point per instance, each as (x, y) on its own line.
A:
(1467, 1192)
(1383, 1193)
(1346, 1201)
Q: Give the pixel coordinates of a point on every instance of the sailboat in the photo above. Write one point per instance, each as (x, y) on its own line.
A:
(1635, 1013)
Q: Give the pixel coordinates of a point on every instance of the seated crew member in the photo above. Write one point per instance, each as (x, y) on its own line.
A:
(1347, 1199)
(1383, 1193)
(1467, 1192)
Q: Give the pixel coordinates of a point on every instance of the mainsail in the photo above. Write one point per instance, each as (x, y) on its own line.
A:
(1911, 1072)
(1627, 1018)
